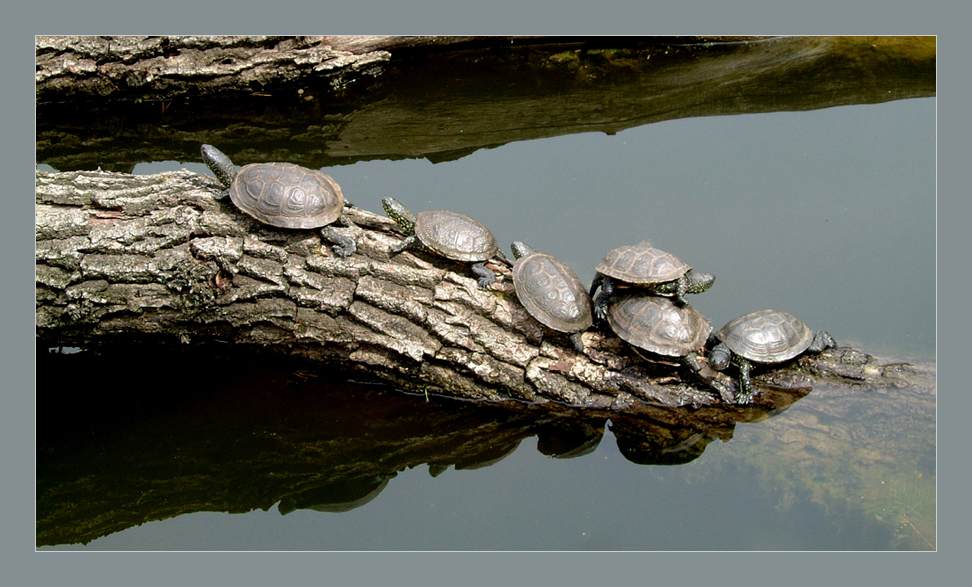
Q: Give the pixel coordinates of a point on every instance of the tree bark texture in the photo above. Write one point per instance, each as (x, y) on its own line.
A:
(158, 257)
(165, 67)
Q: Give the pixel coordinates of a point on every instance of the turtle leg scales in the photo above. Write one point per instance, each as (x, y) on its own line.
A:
(745, 395)
(343, 246)
(602, 298)
(485, 276)
(578, 342)
(405, 244)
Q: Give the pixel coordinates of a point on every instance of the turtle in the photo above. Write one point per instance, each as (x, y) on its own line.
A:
(284, 195)
(660, 326)
(767, 336)
(551, 292)
(653, 270)
(447, 234)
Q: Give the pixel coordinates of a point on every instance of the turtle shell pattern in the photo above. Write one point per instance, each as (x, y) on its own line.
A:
(642, 264)
(287, 195)
(656, 324)
(767, 336)
(454, 236)
(552, 293)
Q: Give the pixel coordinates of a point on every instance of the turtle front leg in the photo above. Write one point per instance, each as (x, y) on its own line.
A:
(681, 288)
(343, 246)
(598, 279)
(485, 276)
(601, 299)
(745, 395)
(406, 243)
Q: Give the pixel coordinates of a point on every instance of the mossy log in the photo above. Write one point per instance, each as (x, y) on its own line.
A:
(159, 258)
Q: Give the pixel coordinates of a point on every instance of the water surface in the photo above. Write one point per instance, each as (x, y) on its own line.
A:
(828, 214)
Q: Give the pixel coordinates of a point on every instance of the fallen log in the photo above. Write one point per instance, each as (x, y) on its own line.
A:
(123, 258)
(112, 102)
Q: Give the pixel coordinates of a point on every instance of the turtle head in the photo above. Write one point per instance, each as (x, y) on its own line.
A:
(400, 214)
(521, 249)
(698, 282)
(219, 164)
(719, 357)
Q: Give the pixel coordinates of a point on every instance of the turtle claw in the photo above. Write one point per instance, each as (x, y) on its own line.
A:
(600, 313)
(343, 246)
(343, 252)
(485, 275)
(743, 398)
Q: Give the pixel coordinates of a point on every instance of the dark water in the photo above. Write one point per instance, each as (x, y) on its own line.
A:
(828, 214)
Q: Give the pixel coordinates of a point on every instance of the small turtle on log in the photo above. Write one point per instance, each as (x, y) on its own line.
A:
(284, 195)
(551, 292)
(446, 234)
(767, 336)
(653, 270)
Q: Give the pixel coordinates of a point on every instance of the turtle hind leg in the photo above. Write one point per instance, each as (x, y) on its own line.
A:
(502, 257)
(577, 341)
(484, 275)
(343, 246)
(821, 341)
(691, 362)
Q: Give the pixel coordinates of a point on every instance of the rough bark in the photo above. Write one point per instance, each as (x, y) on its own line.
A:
(319, 101)
(122, 257)
(166, 67)
(75, 67)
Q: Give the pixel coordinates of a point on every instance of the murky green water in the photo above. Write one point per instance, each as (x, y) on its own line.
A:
(828, 214)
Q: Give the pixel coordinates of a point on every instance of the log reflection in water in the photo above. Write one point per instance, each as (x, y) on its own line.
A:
(217, 433)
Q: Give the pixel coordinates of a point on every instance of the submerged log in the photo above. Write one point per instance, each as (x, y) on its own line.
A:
(122, 258)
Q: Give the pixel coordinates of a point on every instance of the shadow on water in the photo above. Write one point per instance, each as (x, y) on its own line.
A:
(222, 433)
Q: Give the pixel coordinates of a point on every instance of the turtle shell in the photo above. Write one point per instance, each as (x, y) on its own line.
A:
(767, 336)
(454, 236)
(287, 195)
(641, 264)
(552, 293)
(656, 324)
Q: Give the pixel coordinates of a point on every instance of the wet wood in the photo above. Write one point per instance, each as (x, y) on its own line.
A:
(72, 67)
(123, 259)
(321, 101)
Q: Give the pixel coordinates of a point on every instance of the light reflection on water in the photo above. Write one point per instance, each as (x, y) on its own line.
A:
(828, 214)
